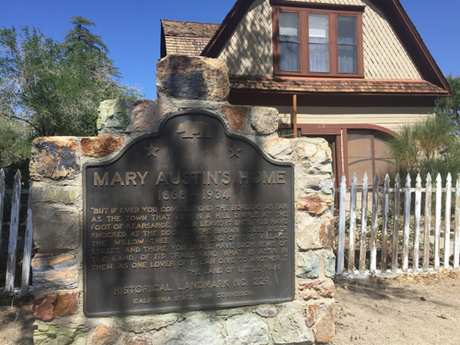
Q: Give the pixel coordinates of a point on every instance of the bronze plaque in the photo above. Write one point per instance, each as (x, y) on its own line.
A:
(191, 217)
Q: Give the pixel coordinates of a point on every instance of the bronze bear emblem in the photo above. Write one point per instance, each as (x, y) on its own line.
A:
(190, 128)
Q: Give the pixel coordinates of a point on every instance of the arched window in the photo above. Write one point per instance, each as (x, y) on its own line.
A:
(368, 151)
(355, 148)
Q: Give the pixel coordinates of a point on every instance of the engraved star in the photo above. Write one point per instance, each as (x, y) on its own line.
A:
(234, 151)
(152, 151)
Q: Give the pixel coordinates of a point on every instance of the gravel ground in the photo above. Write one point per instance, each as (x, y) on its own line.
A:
(405, 310)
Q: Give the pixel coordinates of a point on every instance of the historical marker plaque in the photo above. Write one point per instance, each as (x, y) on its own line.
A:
(188, 218)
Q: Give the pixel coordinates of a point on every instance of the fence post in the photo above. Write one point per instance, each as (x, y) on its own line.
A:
(437, 229)
(407, 201)
(375, 217)
(27, 245)
(386, 209)
(426, 245)
(418, 212)
(362, 247)
(14, 225)
(394, 254)
(351, 244)
(2, 200)
(447, 220)
(341, 244)
(457, 223)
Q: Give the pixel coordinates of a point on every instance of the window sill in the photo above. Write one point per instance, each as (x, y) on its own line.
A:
(319, 75)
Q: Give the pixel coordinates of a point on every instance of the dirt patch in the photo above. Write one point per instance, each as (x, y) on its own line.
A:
(405, 310)
(16, 320)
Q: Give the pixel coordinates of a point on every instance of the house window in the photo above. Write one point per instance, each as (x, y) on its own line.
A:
(368, 152)
(318, 42)
(289, 42)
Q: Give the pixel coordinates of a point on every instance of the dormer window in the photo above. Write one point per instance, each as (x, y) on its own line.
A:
(318, 42)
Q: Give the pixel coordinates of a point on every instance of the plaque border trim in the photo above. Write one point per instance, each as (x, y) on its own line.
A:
(156, 133)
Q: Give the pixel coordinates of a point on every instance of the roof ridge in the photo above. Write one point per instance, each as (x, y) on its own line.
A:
(186, 21)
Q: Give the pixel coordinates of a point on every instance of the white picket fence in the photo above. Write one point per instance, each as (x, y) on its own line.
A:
(10, 287)
(414, 244)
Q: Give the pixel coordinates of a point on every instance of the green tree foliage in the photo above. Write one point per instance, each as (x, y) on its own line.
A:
(15, 137)
(451, 105)
(53, 87)
(431, 147)
(50, 88)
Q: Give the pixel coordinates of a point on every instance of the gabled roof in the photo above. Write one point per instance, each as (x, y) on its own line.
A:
(392, 9)
(185, 38)
(227, 27)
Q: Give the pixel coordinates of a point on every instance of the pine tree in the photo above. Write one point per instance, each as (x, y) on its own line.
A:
(55, 88)
(451, 105)
(50, 88)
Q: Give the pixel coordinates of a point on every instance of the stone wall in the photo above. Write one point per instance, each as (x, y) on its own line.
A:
(184, 83)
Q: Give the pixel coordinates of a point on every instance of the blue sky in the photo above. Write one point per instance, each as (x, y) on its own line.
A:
(131, 28)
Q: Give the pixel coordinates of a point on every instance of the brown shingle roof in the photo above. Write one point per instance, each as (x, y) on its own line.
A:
(189, 29)
(415, 87)
(186, 38)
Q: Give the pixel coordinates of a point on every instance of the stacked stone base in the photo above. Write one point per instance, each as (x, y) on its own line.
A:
(266, 324)
(56, 169)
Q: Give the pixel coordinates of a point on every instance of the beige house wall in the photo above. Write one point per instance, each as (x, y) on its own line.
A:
(249, 51)
(391, 118)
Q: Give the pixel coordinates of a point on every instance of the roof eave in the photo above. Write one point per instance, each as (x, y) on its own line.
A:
(228, 25)
(413, 42)
(348, 94)
(393, 10)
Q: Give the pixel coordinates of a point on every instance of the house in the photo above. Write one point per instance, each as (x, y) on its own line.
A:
(350, 71)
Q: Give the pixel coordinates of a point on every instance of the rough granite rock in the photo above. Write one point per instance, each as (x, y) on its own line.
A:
(290, 328)
(43, 308)
(54, 272)
(237, 116)
(44, 192)
(136, 340)
(314, 204)
(60, 228)
(101, 146)
(103, 335)
(314, 155)
(279, 149)
(145, 115)
(311, 314)
(146, 323)
(267, 311)
(319, 184)
(54, 158)
(55, 304)
(329, 264)
(194, 329)
(45, 334)
(193, 78)
(326, 234)
(264, 120)
(324, 328)
(316, 288)
(307, 231)
(113, 115)
(67, 304)
(307, 265)
(247, 329)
